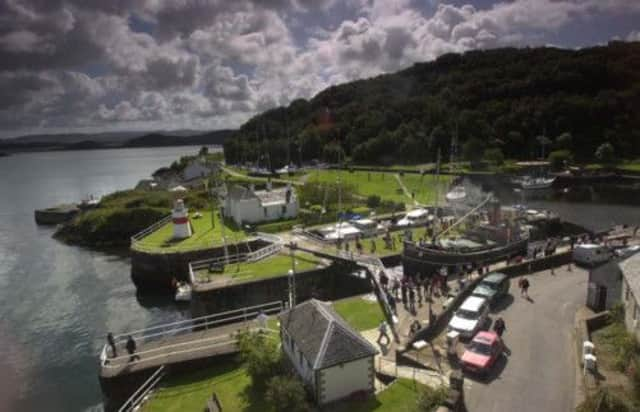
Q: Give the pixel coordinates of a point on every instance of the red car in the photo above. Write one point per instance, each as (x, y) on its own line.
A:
(482, 352)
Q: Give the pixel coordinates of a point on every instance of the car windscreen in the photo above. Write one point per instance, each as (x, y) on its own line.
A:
(479, 347)
(466, 314)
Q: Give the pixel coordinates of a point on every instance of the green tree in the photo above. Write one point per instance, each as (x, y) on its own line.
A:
(564, 141)
(494, 156)
(472, 148)
(605, 153)
(204, 151)
(261, 354)
(286, 393)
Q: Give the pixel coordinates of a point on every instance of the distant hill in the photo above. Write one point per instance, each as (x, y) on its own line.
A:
(156, 139)
(114, 140)
(501, 99)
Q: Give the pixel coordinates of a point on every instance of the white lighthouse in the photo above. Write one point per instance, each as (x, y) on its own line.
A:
(180, 216)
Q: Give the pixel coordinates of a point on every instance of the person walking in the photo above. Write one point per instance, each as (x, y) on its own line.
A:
(392, 303)
(524, 287)
(383, 333)
(412, 300)
(112, 344)
(499, 326)
(384, 280)
(403, 290)
(131, 348)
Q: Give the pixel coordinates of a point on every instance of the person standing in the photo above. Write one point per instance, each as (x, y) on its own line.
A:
(395, 288)
(403, 290)
(524, 286)
(131, 348)
(112, 344)
(499, 326)
(384, 280)
(412, 300)
(392, 303)
(383, 333)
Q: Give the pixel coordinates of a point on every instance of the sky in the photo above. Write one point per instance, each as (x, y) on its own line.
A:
(109, 65)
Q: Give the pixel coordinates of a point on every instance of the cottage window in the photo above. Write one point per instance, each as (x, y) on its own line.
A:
(301, 358)
(284, 209)
(265, 211)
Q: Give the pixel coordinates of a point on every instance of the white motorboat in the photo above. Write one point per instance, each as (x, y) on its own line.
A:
(537, 183)
(183, 292)
(457, 194)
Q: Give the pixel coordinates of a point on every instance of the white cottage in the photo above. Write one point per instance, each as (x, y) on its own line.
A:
(631, 293)
(247, 205)
(198, 169)
(332, 359)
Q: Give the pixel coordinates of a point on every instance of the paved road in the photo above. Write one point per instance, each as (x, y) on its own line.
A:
(539, 374)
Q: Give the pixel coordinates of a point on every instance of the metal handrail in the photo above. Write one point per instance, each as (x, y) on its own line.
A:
(145, 232)
(139, 395)
(187, 325)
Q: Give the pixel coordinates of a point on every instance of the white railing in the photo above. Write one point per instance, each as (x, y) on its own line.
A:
(187, 326)
(143, 391)
(272, 249)
(254, 256)
(145, 232)
(270, 237)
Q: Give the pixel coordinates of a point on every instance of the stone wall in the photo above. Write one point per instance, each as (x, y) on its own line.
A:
(154, 271)
(330, 283)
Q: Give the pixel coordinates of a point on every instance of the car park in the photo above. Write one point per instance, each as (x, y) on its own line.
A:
(470, 317)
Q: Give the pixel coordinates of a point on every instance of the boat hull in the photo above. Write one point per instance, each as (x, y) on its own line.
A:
(421, 259)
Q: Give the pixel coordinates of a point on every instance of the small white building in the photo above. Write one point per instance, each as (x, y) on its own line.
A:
(180, 218)
(247, 205)
(332, 359)
(198, 169)
(630, 268)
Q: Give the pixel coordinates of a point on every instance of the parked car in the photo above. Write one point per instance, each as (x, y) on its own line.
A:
(493, 287)
(482, 353)
(591, 254)
(470, 316)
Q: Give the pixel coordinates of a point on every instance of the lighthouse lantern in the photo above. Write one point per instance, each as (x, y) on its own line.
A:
(180, 216)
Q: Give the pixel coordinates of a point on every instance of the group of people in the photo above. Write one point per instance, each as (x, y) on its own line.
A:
(412, 290)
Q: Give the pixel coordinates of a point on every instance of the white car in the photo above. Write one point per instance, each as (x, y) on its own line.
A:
(591, 254)
(470, 316)
(415, 217)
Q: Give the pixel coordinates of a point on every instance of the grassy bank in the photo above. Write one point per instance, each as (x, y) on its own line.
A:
(206, 233)
(361, 314)
(120, 215)
(272, 266)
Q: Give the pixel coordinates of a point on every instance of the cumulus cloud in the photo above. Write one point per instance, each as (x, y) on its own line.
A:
(214, 63)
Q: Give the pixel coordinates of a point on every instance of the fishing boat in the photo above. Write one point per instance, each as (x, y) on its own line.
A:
(183, 292)
(536, 183)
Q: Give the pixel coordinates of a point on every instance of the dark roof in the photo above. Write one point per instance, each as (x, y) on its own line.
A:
(631, 271)
(323, 336)
(238, 192)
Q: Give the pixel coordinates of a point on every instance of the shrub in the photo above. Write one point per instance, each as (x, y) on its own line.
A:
(605, 153)
(286, 393)
(279, 226)
(430, 399)
(373, 201)
(494, 156)
(603, 401)
(557, 158)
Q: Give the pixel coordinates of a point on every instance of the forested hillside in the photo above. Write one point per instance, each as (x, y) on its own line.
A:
(500, 102)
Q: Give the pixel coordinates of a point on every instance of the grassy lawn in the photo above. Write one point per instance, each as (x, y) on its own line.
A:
(360, 313)
(384, 185)
(424, 187)
(616, 349)
(632, 166)
(204, 236)
(401, 396)
(190, 392)
(272, 266)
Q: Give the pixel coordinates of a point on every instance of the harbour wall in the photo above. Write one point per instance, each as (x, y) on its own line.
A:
(333, 282)
(153, 272)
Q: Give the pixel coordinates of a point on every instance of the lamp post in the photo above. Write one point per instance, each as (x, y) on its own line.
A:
(292, 276)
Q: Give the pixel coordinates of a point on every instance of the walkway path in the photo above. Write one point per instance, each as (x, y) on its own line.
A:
(405, 190)
(273, 179)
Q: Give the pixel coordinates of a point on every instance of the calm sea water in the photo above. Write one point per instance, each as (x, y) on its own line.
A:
(56, 301)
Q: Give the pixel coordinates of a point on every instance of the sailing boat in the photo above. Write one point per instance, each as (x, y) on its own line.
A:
(457, 194)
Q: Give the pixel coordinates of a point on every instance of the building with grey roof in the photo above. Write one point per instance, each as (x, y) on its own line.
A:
(247, 205)
(332, 359)
(631, 293)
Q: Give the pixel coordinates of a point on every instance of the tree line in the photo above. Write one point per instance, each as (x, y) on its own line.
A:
(527, 103)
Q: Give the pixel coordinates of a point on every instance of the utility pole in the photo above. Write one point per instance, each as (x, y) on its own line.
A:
(292, 276)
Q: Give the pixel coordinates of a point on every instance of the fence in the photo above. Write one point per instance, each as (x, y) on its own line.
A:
(187, 326)
(145, 232)
(254, 256)
(140, 395)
